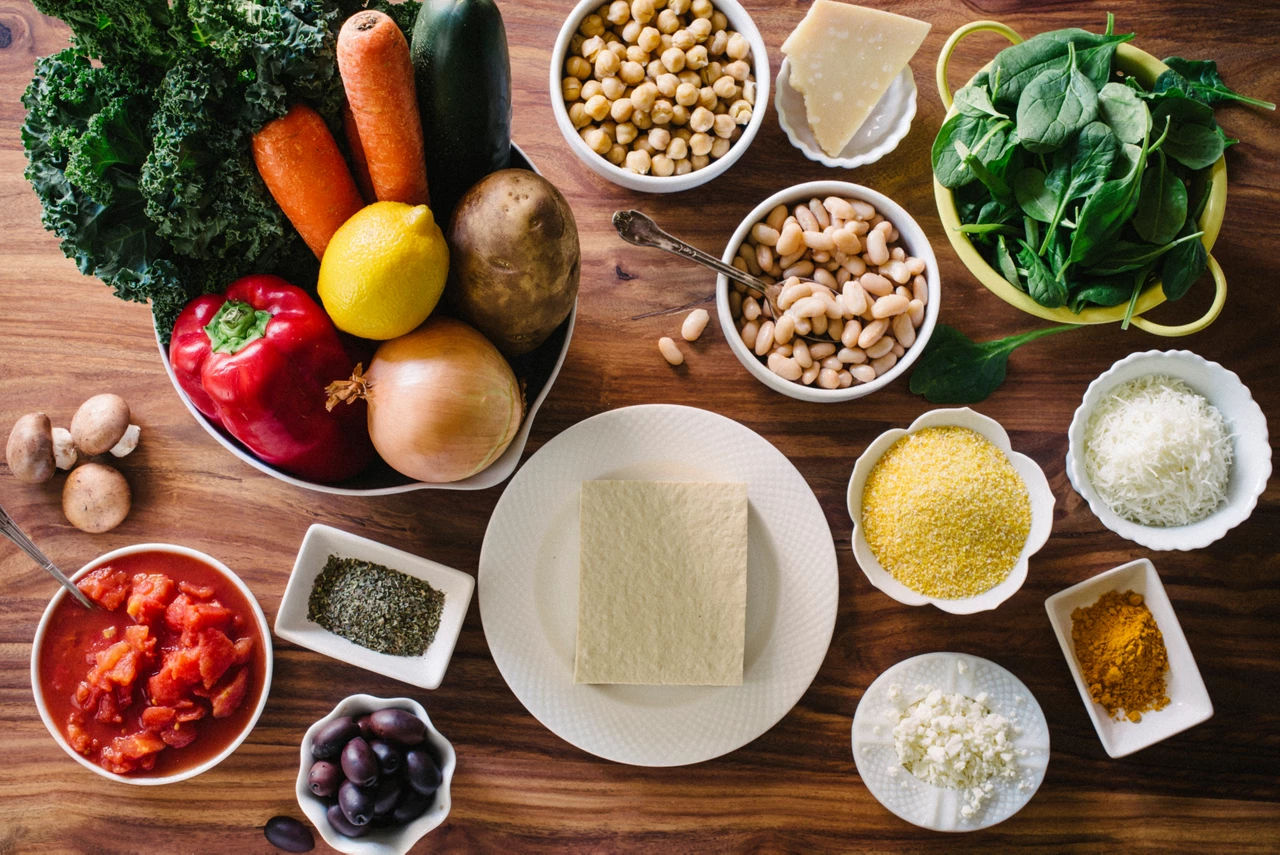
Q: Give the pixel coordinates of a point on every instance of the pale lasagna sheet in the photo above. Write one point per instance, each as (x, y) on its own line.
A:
(662, 591)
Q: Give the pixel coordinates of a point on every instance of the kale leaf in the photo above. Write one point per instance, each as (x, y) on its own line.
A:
(141, 158)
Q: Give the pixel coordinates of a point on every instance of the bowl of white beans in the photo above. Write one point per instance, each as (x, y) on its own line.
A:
(659, 95)
(853, 295)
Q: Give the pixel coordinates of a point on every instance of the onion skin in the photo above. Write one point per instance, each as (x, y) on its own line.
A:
(443, 402)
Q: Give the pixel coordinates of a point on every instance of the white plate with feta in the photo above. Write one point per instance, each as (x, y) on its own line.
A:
(950, 742)
(528, 586)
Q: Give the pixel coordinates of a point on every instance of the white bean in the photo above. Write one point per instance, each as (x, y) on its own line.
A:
(863, 373)
(884, 363)
(801, 352)
(903, 330)
(851, 355)
(874, 283)
(750, 308)
(810, 374)
(877, 250)
(822, 349)
(793, 292)
(764, 339)
(855, 298)
(882, 346)
(670, 351)
(784, 328)
(784, 366)
(872, 333)
(829, 378)
(694, 323)
(889, 305)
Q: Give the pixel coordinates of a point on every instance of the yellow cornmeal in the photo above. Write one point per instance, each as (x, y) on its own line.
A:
(946, 513)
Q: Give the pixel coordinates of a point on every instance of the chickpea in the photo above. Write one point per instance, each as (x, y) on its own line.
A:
(612, 88)
(631, 31)
(738, 70)
(642, 119)
(700, 28)
(649, 39)
(617, 154)
(663, 165)
(726, 87)
(661, 112)
(626, 132)
(667, 84)
(654, 69)
(622, 109)
(571, 88)
(592, 25)
(720, 147)
(619, 12)
(578, 115)
(695, 57)
(719, 42)
(577, 66)
(631, 73)
(738, 47)
(683, 39)
(642, 10)
(678, 6)
(719, 20)
(687, 94)
(679, 115)
(740, 111)
(677, 148)
(639, 161)
(668, 21)
(607, 64)
(597, 140)
(700, 144)
(701, 8)
(598, 107)
(673, 59)
(592, 47)
(643, 96)
(683, 167)
(659, 138)
(590, 89)
(724, 126)
(701, 121)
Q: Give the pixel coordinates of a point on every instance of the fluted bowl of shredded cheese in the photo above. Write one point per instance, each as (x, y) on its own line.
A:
(1169, 450)
(945, 513)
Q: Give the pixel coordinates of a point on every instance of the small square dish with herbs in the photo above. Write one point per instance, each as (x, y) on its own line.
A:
(374, 606)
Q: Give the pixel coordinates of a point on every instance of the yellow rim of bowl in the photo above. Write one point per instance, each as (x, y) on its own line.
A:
(1146, 68)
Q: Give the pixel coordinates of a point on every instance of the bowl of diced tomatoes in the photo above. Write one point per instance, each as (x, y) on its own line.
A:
(165, 677)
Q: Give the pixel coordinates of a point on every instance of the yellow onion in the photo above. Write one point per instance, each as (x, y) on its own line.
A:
(443, 402)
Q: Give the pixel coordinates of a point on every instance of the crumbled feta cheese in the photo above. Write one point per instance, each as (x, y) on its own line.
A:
(950, 740)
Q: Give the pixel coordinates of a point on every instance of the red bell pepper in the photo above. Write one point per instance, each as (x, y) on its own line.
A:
(256, 360)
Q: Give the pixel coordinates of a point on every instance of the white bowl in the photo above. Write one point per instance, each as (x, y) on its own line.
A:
(142, 778)
(1250, 469)
(1032, 476)
(538, 371)
(318, 544)
(913, 239)
(740, 21)
(379, 841)
(885, 127)
(1189, 702)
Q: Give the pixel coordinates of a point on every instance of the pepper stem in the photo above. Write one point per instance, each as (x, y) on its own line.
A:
(346, 391)
(236, 325)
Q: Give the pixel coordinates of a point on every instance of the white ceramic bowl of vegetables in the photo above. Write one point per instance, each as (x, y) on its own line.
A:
(1247, 450)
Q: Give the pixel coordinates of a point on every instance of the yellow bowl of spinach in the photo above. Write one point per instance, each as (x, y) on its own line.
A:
(1081, 179)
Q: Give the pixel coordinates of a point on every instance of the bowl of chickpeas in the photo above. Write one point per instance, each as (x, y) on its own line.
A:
(851, 297)
(659, 95)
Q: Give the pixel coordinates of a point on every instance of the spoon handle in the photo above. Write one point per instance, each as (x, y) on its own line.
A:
(636, 228)
(10, 530)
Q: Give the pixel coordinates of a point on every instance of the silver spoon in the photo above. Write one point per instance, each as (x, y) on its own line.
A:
(638, 229)
(10, 530)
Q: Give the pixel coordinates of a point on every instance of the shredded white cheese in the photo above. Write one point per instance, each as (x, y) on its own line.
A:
(1157, 452)
(951, 740)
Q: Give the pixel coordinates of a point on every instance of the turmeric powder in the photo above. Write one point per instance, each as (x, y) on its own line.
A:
(1121, 654)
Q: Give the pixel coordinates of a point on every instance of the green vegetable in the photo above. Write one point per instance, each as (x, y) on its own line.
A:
(1200, 79)
(1099, 181)
(140, 160)
(956, 370)
(463, 76)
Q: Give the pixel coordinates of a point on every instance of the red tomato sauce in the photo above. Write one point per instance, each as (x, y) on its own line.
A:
(164, 676)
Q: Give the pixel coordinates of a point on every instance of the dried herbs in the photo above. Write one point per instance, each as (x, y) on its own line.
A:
(376, 607)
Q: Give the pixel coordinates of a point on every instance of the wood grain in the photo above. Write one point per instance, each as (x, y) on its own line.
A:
(519, 787)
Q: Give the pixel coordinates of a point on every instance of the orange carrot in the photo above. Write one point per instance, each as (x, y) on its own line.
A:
(359, 165)
(303, 168)
(373, 59)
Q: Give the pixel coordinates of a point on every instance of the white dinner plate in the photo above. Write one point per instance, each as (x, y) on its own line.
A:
(528, 586)
(933, 807)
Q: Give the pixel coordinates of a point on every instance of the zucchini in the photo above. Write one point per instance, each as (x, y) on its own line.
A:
(463, 77)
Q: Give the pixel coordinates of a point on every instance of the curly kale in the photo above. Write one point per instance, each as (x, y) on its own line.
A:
(142, 164)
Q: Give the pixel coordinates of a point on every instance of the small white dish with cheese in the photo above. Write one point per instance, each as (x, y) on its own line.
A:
(1162, 447)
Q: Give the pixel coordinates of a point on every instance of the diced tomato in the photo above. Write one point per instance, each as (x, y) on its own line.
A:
(187, 615)
(227, 697)
(149, 597)
(132, 752)
(178, 736)
(157, 718)
(77, 737)
(105, 586)
(108, 709)
(200, 592)
(217, 654)
(244, 649)
(189, 710)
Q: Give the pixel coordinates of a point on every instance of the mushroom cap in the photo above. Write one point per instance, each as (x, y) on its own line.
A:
(29, 451)
(99, 423)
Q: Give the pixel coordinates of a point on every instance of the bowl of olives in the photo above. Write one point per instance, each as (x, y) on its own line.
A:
(374, 775)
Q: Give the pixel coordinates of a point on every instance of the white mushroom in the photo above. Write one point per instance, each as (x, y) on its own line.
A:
(29, 451)
(65, 455)
(100, 423)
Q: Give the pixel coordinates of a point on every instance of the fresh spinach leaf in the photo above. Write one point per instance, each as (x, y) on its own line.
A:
(1106, 210)
(1184, 264)
(1019, 64)
(1121, 108)
(1034, 198)
(1162, 206)
(1055, 105)
(956, 370)
(961, 136)
(975, 101)
(1101, 292)
(1005, 264)
(1195, 146)
(1125, 256)
(1200, 79)
(1043, 285)
(1091, 161)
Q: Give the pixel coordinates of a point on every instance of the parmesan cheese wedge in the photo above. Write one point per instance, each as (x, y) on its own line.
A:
(843, 59)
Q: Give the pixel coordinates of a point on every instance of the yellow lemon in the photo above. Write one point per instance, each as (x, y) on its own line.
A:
(383, 270)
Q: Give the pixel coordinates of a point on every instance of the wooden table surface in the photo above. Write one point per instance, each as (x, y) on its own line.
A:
(519, 787)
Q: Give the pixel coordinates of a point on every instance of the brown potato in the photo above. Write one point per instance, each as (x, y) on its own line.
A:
(514, 259)
(29, 451)
(96, 498)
